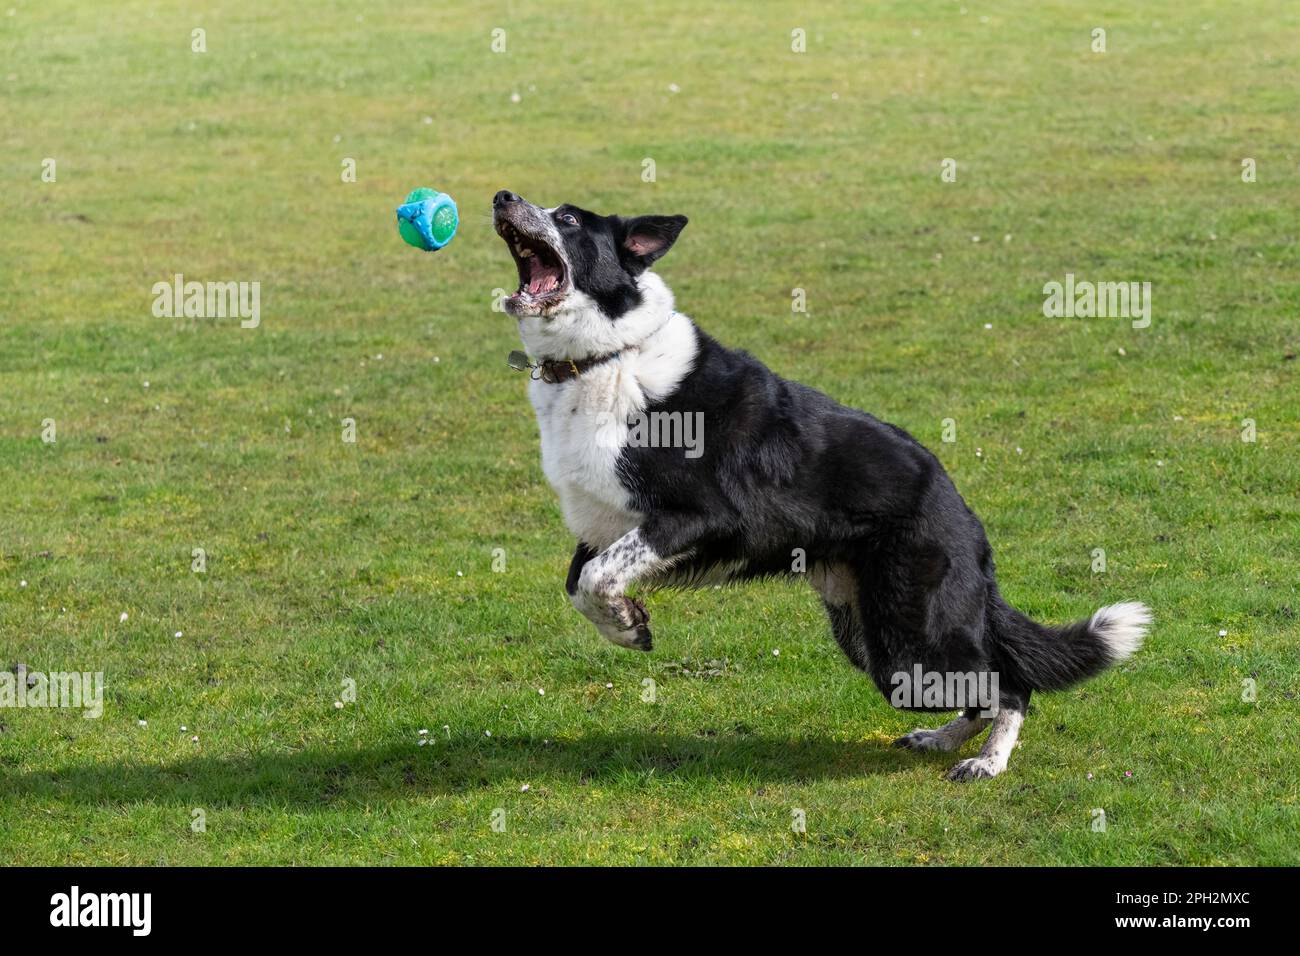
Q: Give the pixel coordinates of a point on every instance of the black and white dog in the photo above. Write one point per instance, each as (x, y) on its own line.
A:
(785, 479)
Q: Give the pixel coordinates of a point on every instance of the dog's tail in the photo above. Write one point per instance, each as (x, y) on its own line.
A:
(1052, 658)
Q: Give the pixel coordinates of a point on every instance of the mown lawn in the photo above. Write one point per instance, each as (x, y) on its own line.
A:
(372, 561)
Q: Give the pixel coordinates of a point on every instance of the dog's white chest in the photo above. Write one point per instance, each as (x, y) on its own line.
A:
(586, 421)
(584, 428)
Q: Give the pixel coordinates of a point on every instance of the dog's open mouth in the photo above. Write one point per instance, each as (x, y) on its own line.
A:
(543, 280)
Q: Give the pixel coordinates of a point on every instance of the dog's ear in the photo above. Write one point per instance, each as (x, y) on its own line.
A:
(647, 238)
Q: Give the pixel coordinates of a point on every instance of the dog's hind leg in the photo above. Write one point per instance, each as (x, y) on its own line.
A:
(992, 759)
(948, 737)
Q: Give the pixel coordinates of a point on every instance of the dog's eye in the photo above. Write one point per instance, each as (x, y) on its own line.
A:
(568, 218)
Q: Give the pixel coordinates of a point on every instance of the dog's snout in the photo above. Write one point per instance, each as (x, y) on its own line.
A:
(503, 197)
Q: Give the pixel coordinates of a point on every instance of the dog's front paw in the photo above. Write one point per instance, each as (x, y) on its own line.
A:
(644, 641)
(635, 621)
(621, 620)
(636, 637)
(975, 768)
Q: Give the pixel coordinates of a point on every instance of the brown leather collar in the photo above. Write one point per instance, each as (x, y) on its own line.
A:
(554, 371)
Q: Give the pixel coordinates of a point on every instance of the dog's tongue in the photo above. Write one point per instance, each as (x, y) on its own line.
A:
(541, 278)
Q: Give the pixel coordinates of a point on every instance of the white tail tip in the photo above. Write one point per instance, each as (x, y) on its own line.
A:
(1121, 627)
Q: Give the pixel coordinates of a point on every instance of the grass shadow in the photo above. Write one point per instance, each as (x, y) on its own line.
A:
(319, 778)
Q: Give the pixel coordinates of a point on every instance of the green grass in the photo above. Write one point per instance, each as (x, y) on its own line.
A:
(373, 561)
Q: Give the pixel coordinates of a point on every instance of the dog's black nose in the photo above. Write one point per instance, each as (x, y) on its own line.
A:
(503, 197)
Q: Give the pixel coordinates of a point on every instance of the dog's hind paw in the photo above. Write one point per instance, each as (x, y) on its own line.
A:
(975, 768)
(920, 739)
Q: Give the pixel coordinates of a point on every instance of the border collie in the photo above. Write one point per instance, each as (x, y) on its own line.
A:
(784, 480)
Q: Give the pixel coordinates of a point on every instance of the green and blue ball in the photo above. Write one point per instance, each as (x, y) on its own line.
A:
(427, 219)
